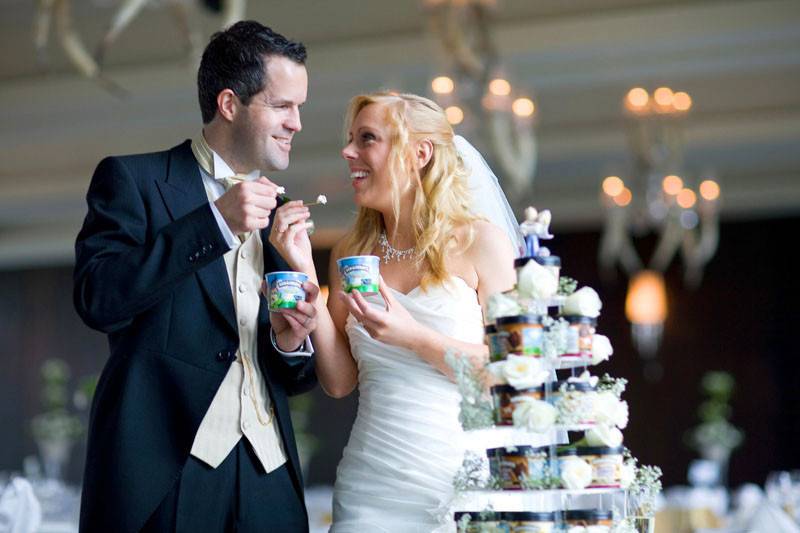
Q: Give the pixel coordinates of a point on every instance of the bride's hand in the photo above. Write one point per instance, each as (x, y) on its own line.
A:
(289, 236)
(392, 325)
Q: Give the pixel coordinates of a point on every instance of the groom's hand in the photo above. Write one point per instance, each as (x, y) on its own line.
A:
(246, 206)
(292, 326)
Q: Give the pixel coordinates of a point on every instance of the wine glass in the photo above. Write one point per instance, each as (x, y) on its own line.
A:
(782, 488)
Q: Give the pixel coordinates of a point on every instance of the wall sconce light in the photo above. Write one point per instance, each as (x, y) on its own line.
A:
(646, 310)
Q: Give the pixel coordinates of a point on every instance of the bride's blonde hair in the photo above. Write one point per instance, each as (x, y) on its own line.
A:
(442, 198)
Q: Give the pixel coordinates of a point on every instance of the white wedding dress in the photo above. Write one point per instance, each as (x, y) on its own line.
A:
(406, 444)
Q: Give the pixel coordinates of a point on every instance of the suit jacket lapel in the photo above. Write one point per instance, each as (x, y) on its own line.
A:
(183, 192)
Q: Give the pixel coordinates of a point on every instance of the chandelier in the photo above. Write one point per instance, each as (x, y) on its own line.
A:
(657, 198)
(474, 90)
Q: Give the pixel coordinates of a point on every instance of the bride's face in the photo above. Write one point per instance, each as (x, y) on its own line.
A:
(367, 155)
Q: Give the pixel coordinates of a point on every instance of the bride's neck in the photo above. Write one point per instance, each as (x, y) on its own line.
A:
(400, 232)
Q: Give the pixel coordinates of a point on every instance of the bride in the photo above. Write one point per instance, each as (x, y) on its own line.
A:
(421, 193)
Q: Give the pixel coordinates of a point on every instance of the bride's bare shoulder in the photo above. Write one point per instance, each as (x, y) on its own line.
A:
(488, 238)
(481, 249)
(492, 256)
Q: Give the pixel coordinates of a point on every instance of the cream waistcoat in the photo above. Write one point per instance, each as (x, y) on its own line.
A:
(241, 406)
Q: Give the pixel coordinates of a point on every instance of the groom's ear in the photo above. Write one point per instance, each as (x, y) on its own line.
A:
(424, 152)
(227, 103)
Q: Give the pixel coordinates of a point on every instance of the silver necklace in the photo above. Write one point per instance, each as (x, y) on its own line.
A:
(390, 252)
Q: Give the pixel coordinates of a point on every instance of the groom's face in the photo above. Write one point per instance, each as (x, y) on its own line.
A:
(264, 128)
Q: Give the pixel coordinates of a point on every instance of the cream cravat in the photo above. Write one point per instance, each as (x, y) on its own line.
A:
(205, 158)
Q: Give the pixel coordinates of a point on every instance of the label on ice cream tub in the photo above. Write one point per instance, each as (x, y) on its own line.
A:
(360, 273)
(285, 289)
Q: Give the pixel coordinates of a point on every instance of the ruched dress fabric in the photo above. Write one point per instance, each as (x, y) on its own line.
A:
(406, 443)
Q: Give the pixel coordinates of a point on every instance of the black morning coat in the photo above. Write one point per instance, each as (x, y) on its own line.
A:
(149, 272)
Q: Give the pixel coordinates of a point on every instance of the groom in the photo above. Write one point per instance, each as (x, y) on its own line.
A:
(190, 427)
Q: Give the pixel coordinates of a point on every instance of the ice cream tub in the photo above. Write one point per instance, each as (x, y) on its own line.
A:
(285, 289)
(525, 334)
(498, 343)
(503, 401)
(519, 467)
(529, 522)
(360, 273)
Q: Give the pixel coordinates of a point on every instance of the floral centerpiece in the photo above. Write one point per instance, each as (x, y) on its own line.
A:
(715, 437)
(56, 428)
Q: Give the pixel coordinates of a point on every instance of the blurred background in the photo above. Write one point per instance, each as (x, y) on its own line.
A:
(664, 136)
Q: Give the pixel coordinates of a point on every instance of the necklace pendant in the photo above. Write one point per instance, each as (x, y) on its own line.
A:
(390, 252)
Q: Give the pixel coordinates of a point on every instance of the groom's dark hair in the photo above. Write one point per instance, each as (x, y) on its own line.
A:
(234, 59)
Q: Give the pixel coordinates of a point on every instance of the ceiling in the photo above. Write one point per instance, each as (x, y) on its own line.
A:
(740, 61)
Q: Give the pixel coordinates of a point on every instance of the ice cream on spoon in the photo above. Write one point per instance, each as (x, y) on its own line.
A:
(321, 199)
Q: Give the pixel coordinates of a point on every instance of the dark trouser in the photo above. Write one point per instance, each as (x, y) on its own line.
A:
(237, 496)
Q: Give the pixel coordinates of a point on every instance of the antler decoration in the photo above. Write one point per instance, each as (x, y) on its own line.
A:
(183, 11)
(515, 148)
(70, 40)
(463, 30)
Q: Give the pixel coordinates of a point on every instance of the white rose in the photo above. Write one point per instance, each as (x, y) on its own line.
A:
(583, 302)
(602, 435)
(495, 370)
(537, 282)
(524, 372)
(627, 474)
(601, 349)
(501, 305)
(533, 415)
(576, 474)
(585, 377)
(609, 410)
(588, 529)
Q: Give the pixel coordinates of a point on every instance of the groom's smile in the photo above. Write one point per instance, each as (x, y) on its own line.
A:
(284, 143)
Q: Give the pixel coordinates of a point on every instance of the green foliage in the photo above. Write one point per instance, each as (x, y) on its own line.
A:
(566, 285)
(554, 339)
(616, 386)
(715, 436)
(473, 473)
(56, 421)
(718, 384)
(476, 407)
